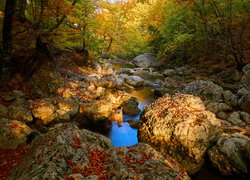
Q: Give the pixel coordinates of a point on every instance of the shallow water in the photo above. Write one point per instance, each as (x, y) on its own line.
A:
(123, 134)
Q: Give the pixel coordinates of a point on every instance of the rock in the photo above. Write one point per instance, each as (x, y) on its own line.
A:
(222, 115)
(130, 107)
(184, 71)
(180, 126)
(230, 98)
(13, 133)
(206, 90)
(160, 92)
(128, 71)
(169, 82)
(229, 76)
(133, 123)
(246, 69)
(107, 69)
(243, 96)
(108, 81)
(245, 82)
(141, 71)
(218, 107)
(245, 117)
(63, 115)
(19, 113)
(168, 72)
(68, 105)
(44, 110)
(146, 60)
(98, 112)
(98, 68)
(63, 151)
(135, 81)
(131, 163)
(68, 152)
(13, 95)
(234, 118)
(231, 155)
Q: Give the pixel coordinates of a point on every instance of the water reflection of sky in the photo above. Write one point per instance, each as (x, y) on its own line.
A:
(125, 135)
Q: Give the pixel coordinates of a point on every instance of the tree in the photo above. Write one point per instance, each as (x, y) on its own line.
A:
(7, 41)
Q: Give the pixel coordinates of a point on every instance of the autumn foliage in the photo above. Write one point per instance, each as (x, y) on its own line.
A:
(98, 161)
(9, 159)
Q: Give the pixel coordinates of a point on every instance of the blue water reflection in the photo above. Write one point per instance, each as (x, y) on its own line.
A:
(124, 135)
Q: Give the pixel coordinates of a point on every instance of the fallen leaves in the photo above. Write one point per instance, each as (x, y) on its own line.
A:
(98, 160)
(9, 158)
(77, 143)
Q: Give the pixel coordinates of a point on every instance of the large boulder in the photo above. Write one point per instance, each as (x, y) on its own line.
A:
(98, 112)
(206, 90)
(68, 105)
(44, 110)
(146, 60)
(143, 162)
(101, 111)
(18, 113)
(135, 81)
(180, 126)
(51, 110)
(130, 107)
(231, 155)
(67, 152)
(13, 133)
(63, 151)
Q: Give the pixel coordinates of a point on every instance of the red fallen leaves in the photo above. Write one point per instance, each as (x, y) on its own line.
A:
(9, 158)
(77, 143)
(97, 165)
(130, 160)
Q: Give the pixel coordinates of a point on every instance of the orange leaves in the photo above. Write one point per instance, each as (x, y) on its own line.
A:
(9, 158)
(97, 165)
(70, 163)
(77, 143)
(132, 160)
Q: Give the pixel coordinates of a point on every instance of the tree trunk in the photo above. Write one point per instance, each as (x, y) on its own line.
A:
(110, 43)
(7, 41)
(84, 29)
(21, 7)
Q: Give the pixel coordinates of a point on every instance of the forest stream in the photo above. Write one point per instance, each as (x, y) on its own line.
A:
(124, 89)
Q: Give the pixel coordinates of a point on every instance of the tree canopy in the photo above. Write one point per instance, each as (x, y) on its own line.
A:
(179, 30)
